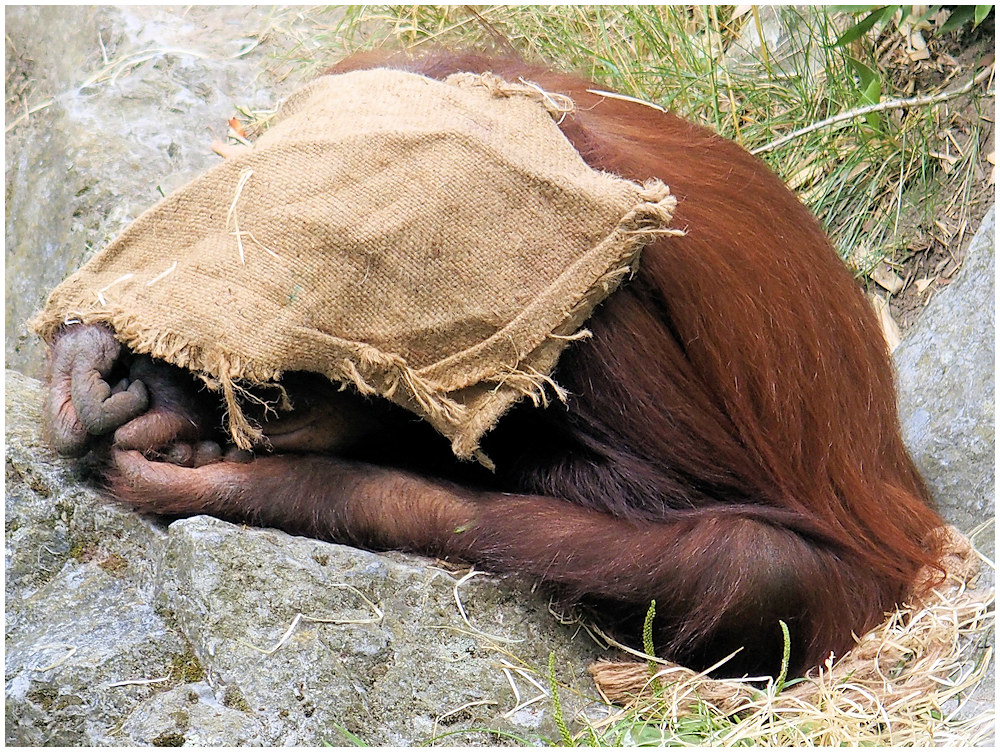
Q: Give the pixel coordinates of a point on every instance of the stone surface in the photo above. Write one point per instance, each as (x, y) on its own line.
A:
(120, 630)
(124, 103)
(945, 379)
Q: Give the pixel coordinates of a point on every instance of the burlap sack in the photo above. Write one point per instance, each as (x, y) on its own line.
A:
(435, 243)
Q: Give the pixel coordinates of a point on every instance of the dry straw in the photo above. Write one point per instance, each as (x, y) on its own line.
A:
(903, 684)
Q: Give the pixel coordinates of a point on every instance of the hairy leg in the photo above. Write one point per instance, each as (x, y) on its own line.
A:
(721, 578)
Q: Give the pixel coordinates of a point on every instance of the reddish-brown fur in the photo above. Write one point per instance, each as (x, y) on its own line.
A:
(730, 449)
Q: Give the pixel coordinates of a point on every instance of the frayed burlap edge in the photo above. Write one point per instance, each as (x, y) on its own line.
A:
(648, 220)
(557, 105)
(908, 659)
(374, 372)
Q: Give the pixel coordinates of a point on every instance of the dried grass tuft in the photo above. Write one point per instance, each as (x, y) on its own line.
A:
(905, 683)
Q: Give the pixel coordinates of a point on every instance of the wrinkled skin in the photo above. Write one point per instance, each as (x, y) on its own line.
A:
(99, 390)
(84, 401)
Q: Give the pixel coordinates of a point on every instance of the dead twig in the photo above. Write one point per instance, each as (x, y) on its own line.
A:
(889, 104)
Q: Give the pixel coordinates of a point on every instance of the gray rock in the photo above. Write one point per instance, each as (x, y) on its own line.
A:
(945, 378)
(79, 590)
(789, 44)
(128, 101)
(123, 631)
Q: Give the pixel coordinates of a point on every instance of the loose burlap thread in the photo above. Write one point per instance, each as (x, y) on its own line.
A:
(434, 243)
